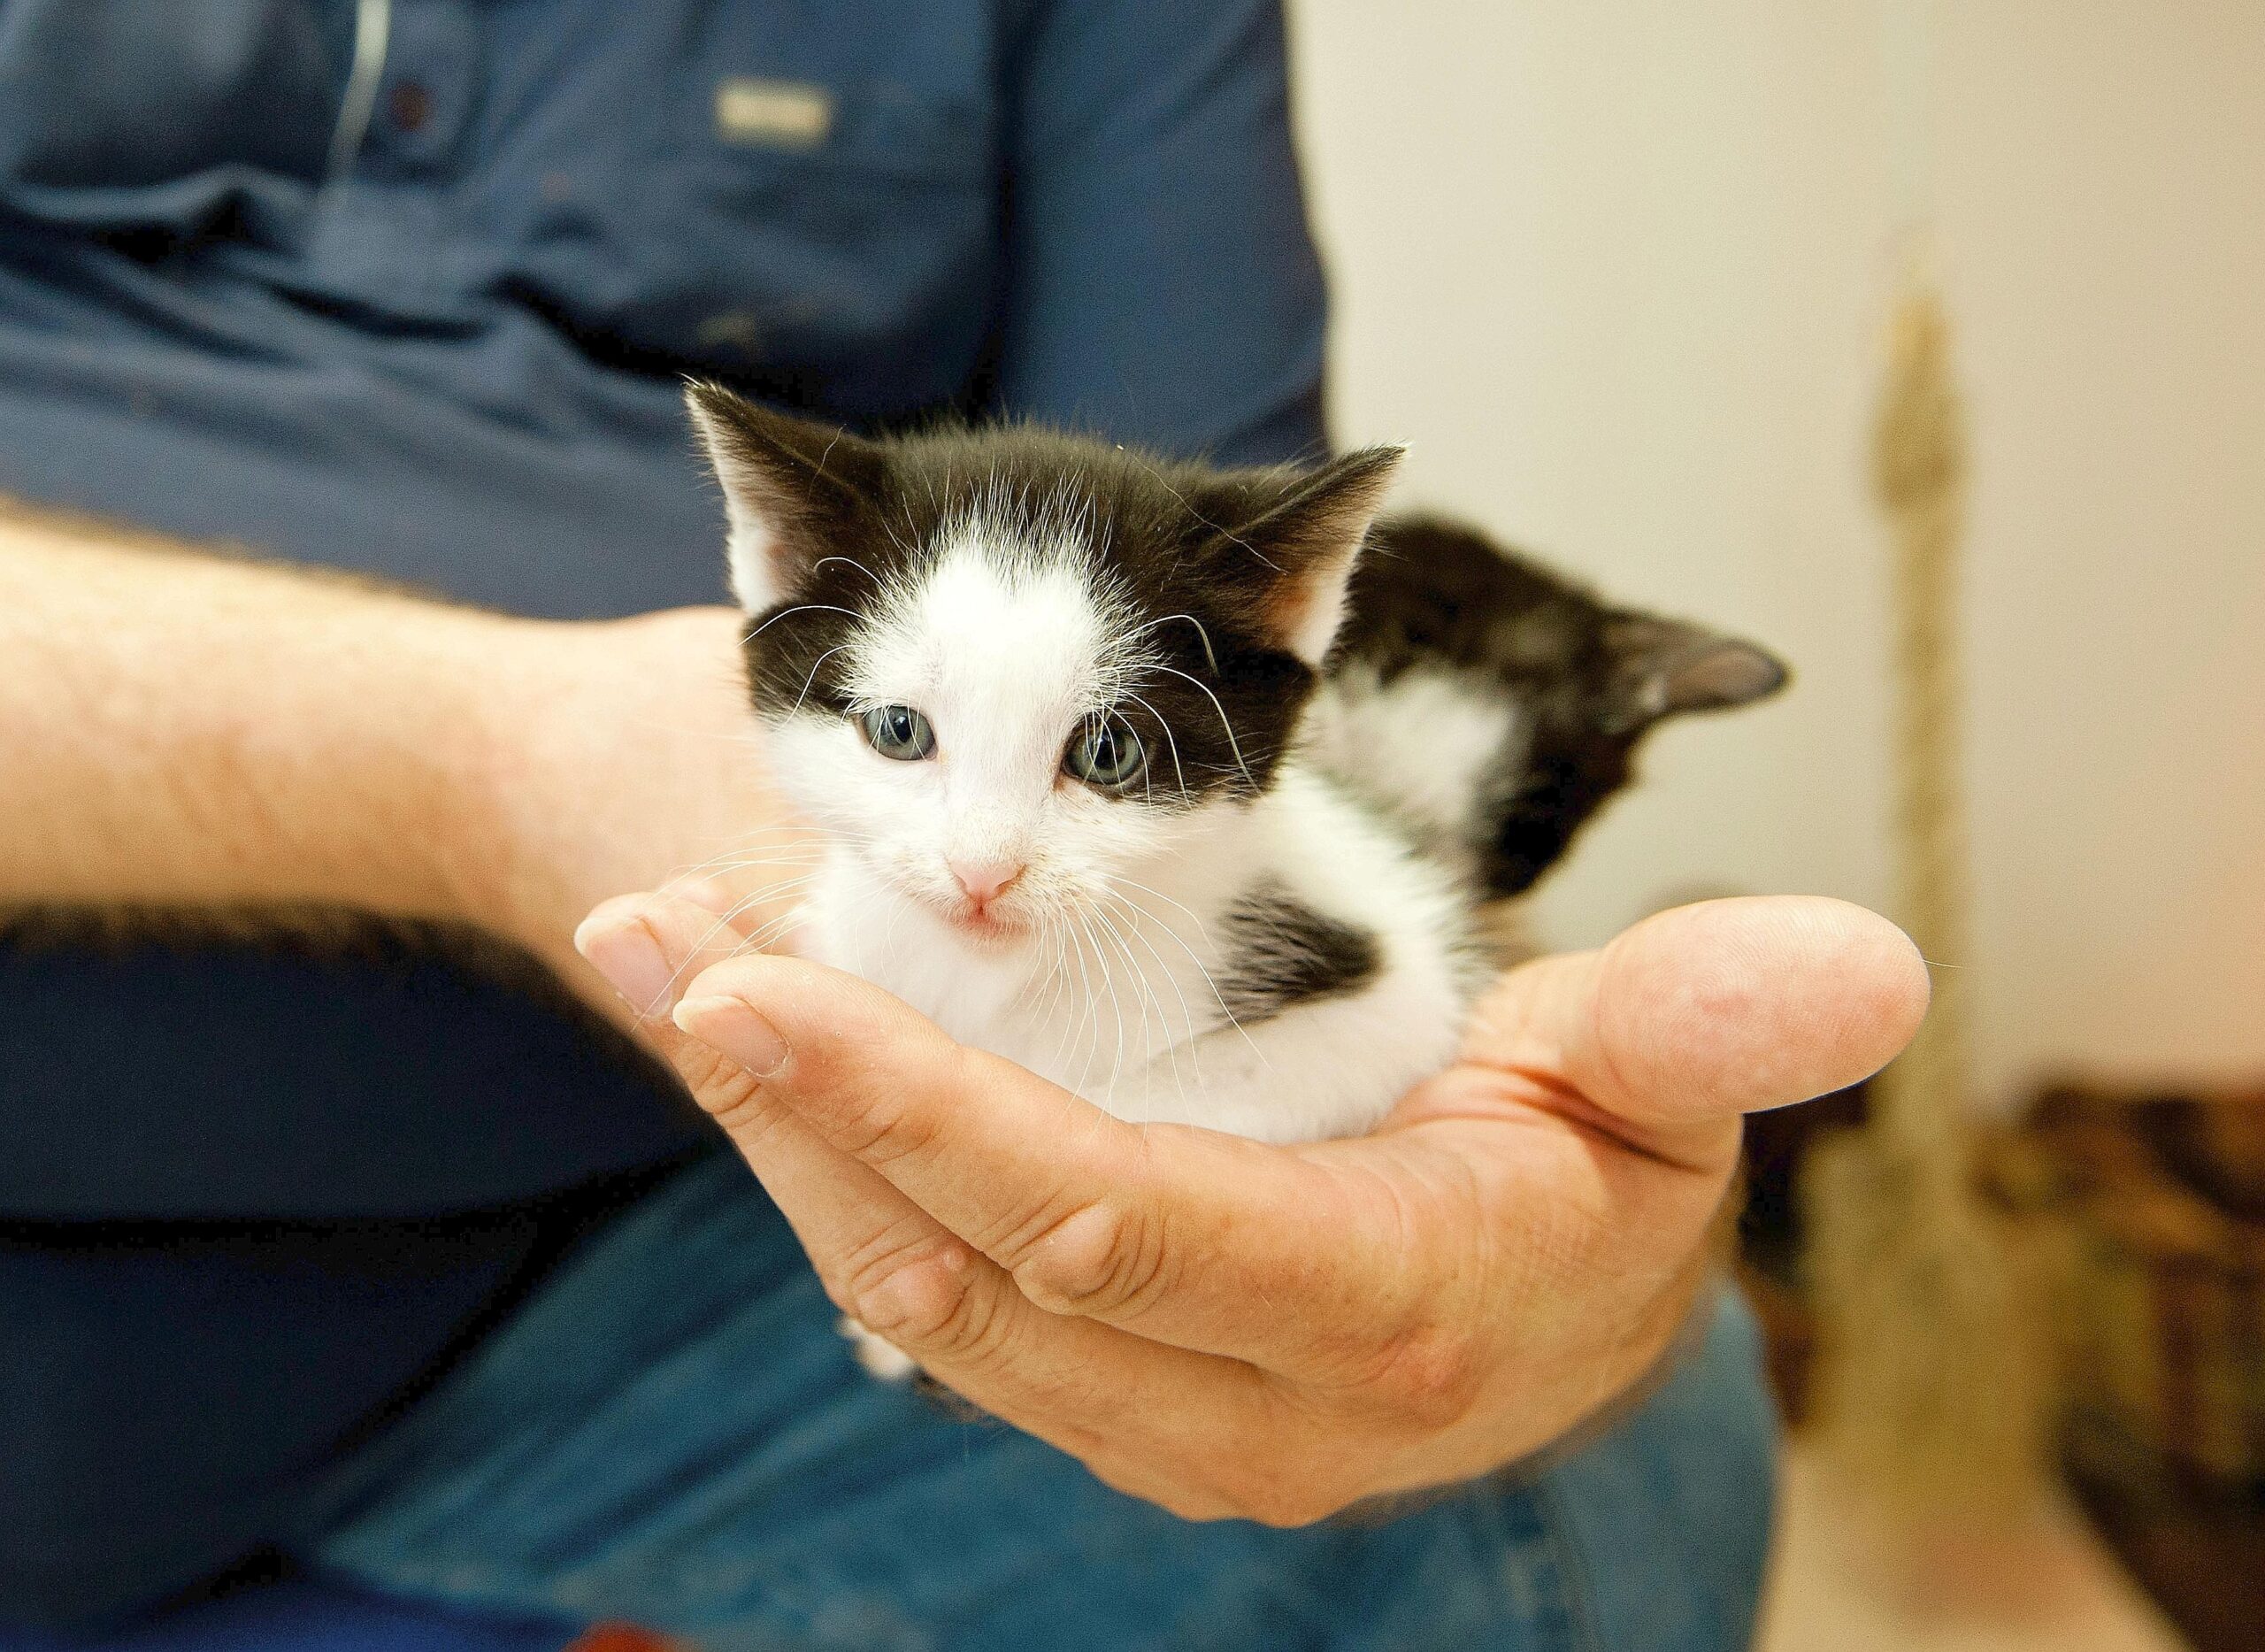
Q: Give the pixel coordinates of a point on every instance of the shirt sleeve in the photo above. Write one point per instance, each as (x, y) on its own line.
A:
(1161, 284)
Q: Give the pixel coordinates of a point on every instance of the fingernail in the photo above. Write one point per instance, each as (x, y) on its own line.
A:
(730, 1026)
(629, 956)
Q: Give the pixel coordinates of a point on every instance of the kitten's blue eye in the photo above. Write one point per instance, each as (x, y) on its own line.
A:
(899, 732)
(1106, 753)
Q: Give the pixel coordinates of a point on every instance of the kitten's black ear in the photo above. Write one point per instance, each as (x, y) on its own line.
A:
(1305, 541)
(793, 489)
(1662, 668)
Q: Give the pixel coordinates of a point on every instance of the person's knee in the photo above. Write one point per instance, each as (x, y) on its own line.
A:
(1665, 1520)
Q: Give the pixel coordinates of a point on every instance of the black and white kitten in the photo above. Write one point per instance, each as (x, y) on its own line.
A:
(1144, 775)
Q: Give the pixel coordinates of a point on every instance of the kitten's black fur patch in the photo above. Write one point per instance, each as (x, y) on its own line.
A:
(1592, 681)
(1209, 558)
(1281, 952)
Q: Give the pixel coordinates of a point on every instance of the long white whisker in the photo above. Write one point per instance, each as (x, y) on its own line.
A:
(1203, 970)
(839, 647)
(1188, 1033)
(1172, 1044)
(1088, 1008)
(1170, 740)
(1210, 657)
(1233, 744)
(723, 923)
(1194, 917)
(803, 608)
(1140, 985)
(1116, 1002)
(852, 561)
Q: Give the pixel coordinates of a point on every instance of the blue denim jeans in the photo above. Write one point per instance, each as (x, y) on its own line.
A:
(671, 1432)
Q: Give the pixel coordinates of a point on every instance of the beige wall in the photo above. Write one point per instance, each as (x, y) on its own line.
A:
(1615, 269)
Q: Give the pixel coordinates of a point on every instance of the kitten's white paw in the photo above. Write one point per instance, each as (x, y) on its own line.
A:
(878, 1354)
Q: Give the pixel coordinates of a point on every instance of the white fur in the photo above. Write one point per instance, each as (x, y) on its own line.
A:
(1422, 744)
(751, 545)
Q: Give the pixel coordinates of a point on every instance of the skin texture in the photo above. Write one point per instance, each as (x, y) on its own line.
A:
(1235, 1329)
(187, 731)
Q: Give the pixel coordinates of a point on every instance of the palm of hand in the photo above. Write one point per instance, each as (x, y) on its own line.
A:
(1234, 1329)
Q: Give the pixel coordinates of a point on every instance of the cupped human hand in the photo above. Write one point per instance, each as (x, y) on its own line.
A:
(1235, 1329)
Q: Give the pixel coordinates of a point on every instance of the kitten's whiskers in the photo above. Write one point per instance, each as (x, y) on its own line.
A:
(1233, 744)
(803, 608)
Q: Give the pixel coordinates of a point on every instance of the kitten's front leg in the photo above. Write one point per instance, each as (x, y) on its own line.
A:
(876, 1353)
(810, 932)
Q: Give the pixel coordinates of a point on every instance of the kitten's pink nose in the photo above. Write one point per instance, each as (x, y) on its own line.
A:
(985, 880)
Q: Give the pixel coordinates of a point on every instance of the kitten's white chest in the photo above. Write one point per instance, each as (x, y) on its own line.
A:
(899, 946)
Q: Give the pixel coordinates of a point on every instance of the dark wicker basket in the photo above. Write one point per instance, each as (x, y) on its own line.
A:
(2149, 1211)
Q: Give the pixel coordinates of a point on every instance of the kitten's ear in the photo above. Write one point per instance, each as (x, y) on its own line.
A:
(1662, 668)
(793, 489)
(1306, 542)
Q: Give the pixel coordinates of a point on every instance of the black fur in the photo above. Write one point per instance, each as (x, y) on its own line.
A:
(1281, 953)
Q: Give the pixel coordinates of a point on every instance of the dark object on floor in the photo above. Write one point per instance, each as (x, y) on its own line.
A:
(2148, 1210)
(2201, 1559)
(1769, 1219)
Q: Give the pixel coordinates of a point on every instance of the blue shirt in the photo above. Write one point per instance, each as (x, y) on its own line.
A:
(442, 345)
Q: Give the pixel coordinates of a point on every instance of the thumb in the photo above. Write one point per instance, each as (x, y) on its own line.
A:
(1702, 1013)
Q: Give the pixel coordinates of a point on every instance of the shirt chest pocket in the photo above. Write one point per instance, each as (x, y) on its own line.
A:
(120, 114)
(835, 238)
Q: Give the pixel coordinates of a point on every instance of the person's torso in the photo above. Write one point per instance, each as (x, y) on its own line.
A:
(441, 345)
(418, 277)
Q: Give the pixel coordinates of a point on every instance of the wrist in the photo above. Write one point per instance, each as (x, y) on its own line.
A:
(612, 756)
(507, 850)
(486, 861)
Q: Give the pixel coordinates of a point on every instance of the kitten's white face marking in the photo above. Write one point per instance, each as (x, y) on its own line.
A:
(1006, 649)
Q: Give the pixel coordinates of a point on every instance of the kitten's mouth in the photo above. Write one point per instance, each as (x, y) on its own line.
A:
(987, 924)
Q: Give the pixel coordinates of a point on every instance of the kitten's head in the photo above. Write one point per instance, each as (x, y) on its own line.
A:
(1569, 685)
(1005, 667)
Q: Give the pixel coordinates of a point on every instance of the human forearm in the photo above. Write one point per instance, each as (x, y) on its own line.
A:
(184, 729)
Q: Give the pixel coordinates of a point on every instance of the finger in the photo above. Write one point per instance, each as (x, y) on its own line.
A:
(1706, 1012)
(1134, 1410)
(620, 941)
(1170, 1232)
(861, 1233)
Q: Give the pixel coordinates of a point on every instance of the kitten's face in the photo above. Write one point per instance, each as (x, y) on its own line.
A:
(1009, 671)
(978, 750)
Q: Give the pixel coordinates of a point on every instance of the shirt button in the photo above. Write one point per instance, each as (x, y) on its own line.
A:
(410, 104)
